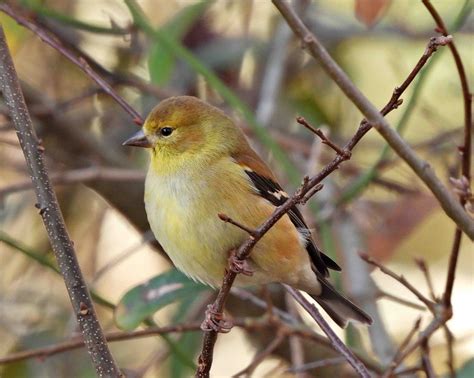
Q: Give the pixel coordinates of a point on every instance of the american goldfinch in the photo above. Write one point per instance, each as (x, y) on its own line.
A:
(201, 166)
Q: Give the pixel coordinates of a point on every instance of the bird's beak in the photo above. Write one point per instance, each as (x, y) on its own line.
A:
(138, 139)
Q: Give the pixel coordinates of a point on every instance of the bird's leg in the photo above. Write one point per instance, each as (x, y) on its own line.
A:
(215, 321)
(239, 266)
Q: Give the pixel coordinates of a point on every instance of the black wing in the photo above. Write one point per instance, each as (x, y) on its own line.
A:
(273, 192)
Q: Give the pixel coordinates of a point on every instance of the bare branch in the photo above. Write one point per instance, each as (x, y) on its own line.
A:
(78, 342)
(77, 60)
(52, 218)
(423, 170)
(402, 280)
(344, 153)
(358, 366)
(465, 149)
(396, 360)
(260, 356)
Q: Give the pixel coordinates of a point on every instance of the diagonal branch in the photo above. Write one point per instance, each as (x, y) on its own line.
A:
(423, 170)
(465, 149)
(358, 366)
(301, 195)
(52, 218)
(77, 60)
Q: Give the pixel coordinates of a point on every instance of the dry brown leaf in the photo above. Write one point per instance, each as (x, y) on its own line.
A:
(396, 223)
(370, 12)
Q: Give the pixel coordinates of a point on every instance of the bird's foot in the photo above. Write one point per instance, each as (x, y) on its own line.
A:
(239, 266)
(215, 321)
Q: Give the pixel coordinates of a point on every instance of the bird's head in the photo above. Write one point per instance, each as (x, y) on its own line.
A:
(185, 128)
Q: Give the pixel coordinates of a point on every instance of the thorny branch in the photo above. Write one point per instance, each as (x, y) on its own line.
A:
(52, 218)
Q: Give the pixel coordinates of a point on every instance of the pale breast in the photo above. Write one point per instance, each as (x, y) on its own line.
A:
(183, 213)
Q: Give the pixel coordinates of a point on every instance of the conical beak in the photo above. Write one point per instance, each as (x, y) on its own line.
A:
(138, 139)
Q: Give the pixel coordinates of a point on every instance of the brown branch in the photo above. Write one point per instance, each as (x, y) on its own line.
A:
(297, 355)
(79, 61)
(402, 280)
(426, 360)
(396, 299)
(465, 149)
(311, 309)
(210, 337)
(316, 365)
(450, 341)
(260, 356)
(249, 296)
(423, 170)
(78, 342)
(426, 272)
(52, 218)
(435, 324)
(250, 324)
(396, 360)
(227, 219)
(325, 140)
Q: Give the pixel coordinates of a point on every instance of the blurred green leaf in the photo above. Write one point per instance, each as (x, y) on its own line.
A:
(161, 61)
(144, 300)
(467, 370)
(188, 341)
(39, 8)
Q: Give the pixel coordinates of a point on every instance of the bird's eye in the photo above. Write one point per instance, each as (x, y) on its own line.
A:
(166, 131)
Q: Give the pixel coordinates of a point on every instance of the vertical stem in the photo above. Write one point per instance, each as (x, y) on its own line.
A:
(62, 245)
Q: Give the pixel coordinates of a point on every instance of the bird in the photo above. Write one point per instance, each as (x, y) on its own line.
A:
(202, 168)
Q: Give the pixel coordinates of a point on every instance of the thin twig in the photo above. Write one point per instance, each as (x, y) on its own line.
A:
(206, 356)
(316, 365)
(435, 324)
(464, 150)
(296, 346)
(422, 169)
(78, 342)
(260, 356)
(396, 358)
(79, 61)
(424, 269)
(396, 299)
(401, 279)
(249, 296)
(227, 219)
(426, 360)
(450, 347)
(345, 153)
(210, 336)
(358, 366)
(49, 210)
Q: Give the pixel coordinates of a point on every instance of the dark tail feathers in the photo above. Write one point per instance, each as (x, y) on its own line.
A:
(339, 308)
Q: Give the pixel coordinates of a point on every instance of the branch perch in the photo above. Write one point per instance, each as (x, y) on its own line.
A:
(62, 245)
(423, 170)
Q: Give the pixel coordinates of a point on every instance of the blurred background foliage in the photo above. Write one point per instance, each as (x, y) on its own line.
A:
(240, 56)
